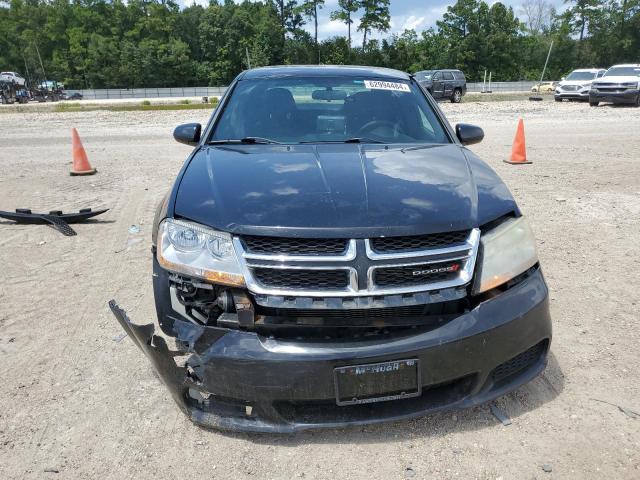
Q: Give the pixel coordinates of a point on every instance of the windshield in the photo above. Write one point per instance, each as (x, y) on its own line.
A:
(623, 72)
(328, 109)
(425, 74)
(581, 76)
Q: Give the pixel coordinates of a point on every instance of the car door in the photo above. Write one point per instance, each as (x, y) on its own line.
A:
(438, 85)
(447, 80)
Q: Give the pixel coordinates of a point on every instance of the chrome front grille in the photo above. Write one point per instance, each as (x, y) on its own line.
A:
(363, 268)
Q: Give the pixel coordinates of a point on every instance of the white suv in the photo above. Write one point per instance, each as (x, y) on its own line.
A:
(577, 84)
(13, 77)
(620, 84)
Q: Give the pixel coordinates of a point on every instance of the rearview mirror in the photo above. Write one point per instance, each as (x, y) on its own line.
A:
(188, 133)
(328, 94)
(469, 134)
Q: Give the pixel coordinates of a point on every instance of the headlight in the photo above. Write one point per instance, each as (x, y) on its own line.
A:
(198, 251)
(507, 251)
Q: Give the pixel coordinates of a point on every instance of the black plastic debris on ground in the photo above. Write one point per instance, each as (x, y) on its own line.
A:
(60, 221)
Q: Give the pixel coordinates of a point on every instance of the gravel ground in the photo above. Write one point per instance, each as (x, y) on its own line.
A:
(78, 401)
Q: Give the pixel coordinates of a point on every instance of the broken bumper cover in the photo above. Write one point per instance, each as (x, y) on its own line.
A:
(238, 380)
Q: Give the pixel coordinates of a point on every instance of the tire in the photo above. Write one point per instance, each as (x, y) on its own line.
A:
(638, 101)
(593, 104)
(457, 96)
(557, 99)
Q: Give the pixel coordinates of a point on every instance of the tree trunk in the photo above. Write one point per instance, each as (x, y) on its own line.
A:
(364, 39)
(315, 19)
(349, 29)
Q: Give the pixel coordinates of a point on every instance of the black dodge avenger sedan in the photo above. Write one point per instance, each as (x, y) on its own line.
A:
(331, 254)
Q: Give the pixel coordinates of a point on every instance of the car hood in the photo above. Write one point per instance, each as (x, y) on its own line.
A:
(617, 79)
(339, 190)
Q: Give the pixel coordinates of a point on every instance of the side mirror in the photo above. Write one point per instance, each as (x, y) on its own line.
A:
(562, 79)
(188, 133)
(469, 134)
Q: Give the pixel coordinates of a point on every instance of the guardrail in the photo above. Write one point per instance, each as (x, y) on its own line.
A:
(142, 93)
(520, 86)
(185, 92)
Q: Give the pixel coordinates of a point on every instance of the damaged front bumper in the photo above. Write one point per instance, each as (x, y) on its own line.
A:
(240, 380)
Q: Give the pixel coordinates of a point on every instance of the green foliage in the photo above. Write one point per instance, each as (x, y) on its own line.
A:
(375, 17)
(155, 43)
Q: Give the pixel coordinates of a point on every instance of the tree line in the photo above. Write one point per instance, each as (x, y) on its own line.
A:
(155, 43)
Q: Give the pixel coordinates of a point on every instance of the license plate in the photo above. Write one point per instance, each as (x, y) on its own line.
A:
(377, 382)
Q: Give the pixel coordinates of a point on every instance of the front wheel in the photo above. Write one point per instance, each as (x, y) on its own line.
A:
(457, 96)
(557, 99)
(593, 104)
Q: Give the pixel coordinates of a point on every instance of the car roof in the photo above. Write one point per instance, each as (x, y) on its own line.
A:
(626, 65)
(591, 70)
(324, 71)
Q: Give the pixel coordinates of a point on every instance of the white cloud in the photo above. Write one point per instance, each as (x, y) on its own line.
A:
(412, 22)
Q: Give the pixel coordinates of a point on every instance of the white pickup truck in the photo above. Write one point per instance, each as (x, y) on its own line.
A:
(620, 84)
(13, 77)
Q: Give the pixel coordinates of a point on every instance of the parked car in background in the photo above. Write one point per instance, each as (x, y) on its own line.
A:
(13, 77)
(577, 84)
(449, 84)
(71, 95)
(618, 85)
(544, 87)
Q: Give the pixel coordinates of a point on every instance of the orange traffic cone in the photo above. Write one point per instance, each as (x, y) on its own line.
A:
(519, 150)
(81, 165)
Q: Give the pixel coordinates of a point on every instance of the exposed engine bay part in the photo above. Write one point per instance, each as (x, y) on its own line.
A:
(207, 304)
(60, 221)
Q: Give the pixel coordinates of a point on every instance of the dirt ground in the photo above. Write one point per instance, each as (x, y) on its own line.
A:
(80, 401)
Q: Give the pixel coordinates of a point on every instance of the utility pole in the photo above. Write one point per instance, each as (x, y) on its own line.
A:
(41, 64)
(26, 67)
(545, 64)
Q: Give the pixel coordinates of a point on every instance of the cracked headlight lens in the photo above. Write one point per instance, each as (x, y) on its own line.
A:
(507, 251)
(198, 251)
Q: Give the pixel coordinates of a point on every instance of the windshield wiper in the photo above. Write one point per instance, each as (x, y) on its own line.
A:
(362, 140)
(245, 140)
(417, 147)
